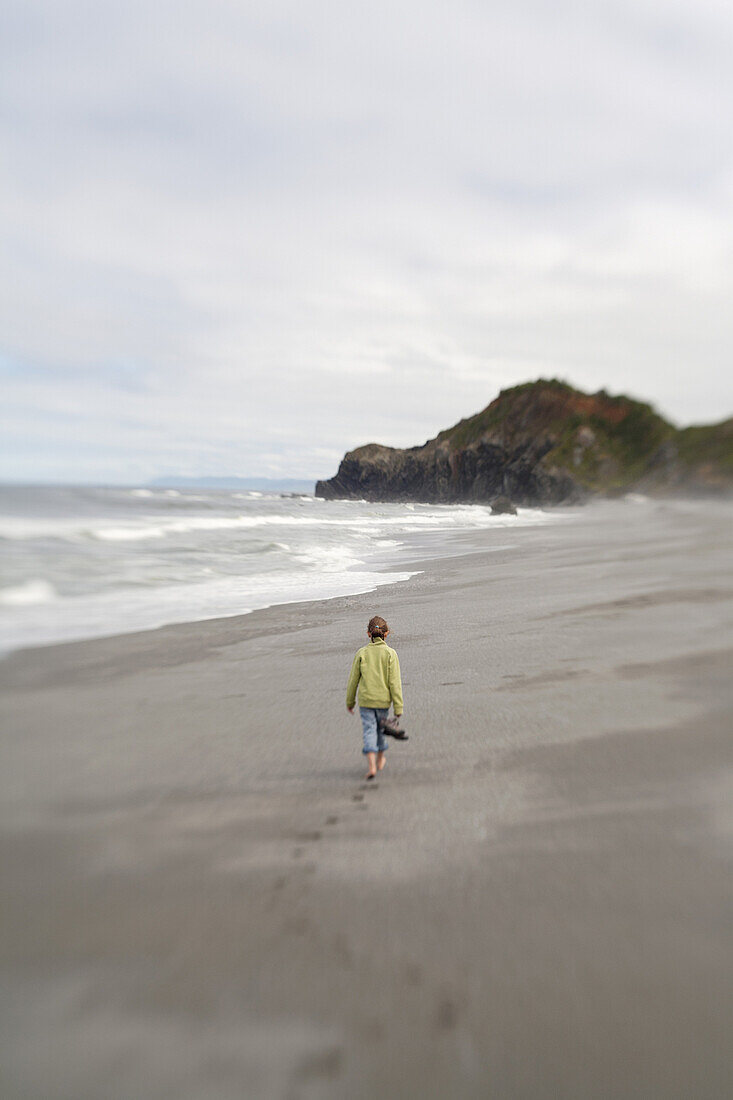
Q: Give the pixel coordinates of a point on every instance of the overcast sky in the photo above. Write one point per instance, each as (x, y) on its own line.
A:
(242, 238)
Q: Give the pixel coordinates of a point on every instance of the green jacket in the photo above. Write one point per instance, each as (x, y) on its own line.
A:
(376, 672)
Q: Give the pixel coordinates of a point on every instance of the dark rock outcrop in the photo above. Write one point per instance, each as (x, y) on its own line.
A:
(502, 506)
(540, 443)
(438, 475)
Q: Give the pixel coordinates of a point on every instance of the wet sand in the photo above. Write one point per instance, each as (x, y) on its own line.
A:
(203, 899)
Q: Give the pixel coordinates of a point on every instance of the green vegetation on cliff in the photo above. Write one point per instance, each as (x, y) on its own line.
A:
(604, 442)
(708, 444)
(544, 442)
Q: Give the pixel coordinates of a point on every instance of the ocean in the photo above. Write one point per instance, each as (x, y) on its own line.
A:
(83, 562)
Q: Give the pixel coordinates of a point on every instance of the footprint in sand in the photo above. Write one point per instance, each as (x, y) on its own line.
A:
(298, 926)
(322, 1064)
(332, 820)
(413, 974)
(447, 1015)
(343, 951)
(373, 1030)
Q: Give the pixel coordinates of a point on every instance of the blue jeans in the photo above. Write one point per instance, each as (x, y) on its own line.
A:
(374, 741)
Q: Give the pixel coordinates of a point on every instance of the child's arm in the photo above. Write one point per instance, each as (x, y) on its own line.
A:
(395, 684)
(354, 677)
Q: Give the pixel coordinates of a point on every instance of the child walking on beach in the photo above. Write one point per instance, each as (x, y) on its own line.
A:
(376, 673)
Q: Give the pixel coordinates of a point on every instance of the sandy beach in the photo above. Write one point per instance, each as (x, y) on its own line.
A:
(203, 899)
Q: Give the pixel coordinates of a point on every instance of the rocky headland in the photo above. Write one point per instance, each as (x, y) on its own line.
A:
(543, 442)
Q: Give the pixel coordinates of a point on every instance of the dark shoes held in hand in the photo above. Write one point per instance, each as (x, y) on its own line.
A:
(390, 727)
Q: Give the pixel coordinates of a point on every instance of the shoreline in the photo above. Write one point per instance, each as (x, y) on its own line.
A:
(406, 562)
(33, 616)
(202, 898)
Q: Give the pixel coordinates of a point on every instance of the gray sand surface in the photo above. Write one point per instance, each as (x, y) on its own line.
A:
(203, 899)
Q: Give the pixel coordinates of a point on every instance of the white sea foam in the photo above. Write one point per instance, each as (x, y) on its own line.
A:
(27, 594)
(114, 562)
(328, 558)
(162, 494)
(126, 534)
(124, 613)
(158, 527)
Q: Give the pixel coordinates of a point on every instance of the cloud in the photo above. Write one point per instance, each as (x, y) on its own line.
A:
(242, 238)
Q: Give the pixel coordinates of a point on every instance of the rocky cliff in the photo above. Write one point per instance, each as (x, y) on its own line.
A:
(543, 443)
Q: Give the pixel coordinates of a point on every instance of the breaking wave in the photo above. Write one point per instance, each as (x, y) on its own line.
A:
(80, 563)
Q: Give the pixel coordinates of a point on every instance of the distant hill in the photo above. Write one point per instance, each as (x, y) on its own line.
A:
(258, 484)
(544, 442)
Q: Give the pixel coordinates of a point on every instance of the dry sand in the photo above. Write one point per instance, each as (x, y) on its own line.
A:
(202, 899)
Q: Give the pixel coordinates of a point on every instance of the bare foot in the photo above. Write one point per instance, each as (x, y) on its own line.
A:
(381, 762)
(370, 775)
